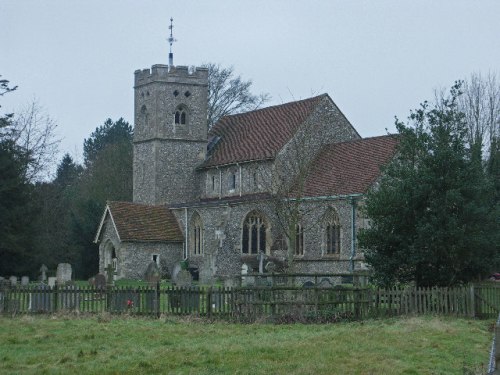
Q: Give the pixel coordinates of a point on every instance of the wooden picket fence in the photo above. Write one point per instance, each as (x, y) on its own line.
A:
(250, 303)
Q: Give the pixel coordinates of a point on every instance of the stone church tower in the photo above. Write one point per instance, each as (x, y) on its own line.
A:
(170, 134)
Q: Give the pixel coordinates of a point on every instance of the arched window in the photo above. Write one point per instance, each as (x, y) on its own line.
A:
(332, 233)
(196, 244)
(254, 234)
(180, 117)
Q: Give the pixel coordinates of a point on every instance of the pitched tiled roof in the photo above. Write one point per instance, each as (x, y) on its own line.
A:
(258, 134)
(349, 167)
(140, 222)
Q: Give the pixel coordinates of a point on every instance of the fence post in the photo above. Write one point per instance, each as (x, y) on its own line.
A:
(55, 296)
(157, 306)
(497, 347)
(209, 301)
(473, 311)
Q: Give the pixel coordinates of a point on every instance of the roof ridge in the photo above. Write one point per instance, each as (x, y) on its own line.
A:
(274, 106)
(363, 139)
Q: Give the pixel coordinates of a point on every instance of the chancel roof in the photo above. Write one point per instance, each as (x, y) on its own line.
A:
(259, 134)
(349, 167)
(141, 222)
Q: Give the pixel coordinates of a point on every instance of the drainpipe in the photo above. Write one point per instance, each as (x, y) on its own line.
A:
(353, 233)
(185, 233)
(220, 183)
(240, 178)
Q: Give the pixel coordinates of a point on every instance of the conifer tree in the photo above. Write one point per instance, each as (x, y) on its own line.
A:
(433, 211)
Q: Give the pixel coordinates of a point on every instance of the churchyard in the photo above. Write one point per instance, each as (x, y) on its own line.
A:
(59, 325)
(106, 344)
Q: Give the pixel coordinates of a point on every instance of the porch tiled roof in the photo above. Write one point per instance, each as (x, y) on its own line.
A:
(259, 134)
(141, 222)
(349, 167)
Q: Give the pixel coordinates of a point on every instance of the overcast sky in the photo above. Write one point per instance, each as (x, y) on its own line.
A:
(376, 59)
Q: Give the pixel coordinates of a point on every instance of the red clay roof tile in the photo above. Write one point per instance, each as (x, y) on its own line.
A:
(258, 134)
(349, 167)
(140, 222)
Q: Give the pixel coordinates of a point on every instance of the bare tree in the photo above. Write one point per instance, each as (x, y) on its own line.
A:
(286, 181)
(480, 102)
(35, 132)
(229, 94)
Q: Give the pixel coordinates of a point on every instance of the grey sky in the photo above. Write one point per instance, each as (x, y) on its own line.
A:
(376, 59)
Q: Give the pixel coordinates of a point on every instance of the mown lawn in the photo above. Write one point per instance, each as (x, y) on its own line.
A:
(113, 345)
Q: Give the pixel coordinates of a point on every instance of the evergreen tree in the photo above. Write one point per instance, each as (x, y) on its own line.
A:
(107, 176)
(432, 214)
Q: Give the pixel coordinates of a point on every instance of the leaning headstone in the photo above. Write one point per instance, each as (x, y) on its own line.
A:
(100, 281)
(52, 281)
(152, 274)
(184, 279)
(13, 280)
(64, 273)
(25, 280)
(40, 298)
(43, 271)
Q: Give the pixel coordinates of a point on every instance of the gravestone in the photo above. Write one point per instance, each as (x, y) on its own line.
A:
(25, 280)
(41, 298)
(13, 280)
(184, 279)
(246, 280)
(43, 271)
(175, 271)
(52, 281)
(100, 281)
(152, 274)
(69, 298)
(110, 274)
(64, 273)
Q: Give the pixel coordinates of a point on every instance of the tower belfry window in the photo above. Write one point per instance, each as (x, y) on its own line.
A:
(180, 117)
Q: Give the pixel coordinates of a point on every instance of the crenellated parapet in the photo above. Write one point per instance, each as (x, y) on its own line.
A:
(171, 74)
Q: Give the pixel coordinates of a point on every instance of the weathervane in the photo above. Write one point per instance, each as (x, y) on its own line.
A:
(170, 41)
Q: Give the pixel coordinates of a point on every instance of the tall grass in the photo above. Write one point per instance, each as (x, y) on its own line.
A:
(108, 345)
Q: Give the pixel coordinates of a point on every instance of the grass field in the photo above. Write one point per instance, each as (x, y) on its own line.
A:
(121, 345)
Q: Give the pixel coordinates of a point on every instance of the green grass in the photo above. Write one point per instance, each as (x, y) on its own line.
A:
(108, 345)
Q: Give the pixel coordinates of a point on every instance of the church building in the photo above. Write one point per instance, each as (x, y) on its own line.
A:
(275, 187)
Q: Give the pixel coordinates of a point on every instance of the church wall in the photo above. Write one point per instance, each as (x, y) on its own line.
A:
(161, 167)
(136, 256)
(325, 125)
(159, 91)
(223, 235)
(250, 178)
(165, 153)
(108, 235)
